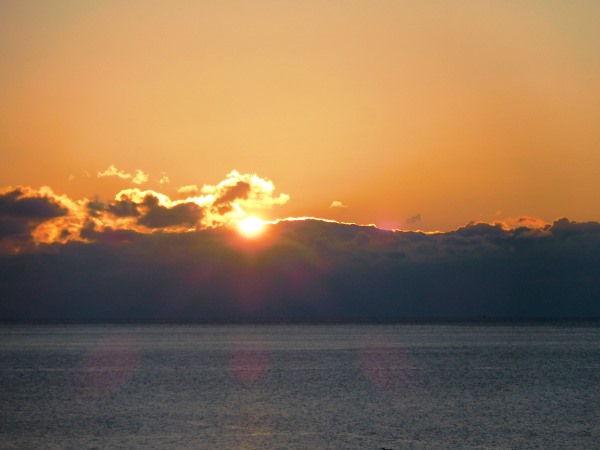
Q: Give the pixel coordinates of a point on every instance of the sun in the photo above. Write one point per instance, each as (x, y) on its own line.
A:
(250, 226)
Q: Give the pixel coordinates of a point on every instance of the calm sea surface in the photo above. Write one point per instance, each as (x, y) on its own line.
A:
(298, 386)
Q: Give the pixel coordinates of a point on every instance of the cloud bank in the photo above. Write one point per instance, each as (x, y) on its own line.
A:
(298, 270)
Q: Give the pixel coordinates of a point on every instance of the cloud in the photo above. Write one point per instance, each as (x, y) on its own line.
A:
(307, 270)
(337, 204)
(522, 221)
(240, 191)
(237, 195)
(145, 211)
(190, 189)
(22, 202)
(164, 180)
(144, 255)
(566, 229)
(123, 208)
(30, 215)
(95, 207)
(112, 171)
(254, 192)
(139, 178)
(414, 219)
(155, 215)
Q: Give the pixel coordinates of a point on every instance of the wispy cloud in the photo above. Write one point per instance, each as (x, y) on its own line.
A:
(112, 171)
(190, 189)
(139, 178)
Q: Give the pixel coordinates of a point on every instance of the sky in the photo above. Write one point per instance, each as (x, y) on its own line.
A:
(407, 115)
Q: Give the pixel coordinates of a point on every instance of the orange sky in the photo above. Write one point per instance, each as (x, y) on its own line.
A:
(446, 111)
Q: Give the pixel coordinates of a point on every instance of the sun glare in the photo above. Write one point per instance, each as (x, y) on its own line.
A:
(250, 226)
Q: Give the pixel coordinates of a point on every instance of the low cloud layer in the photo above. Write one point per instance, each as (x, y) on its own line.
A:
(302, 270)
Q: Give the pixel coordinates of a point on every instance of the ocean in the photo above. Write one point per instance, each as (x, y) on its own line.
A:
(342, 386)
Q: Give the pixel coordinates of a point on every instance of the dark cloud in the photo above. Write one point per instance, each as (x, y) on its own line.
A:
(414, 219)
(95, 207)
(123, 208)
(21, 211)
(565, 228)
(10, 226)
(308, 270)
(239, 190)
(88, 230)
(108, 236)
(15, 204)
(157, 216)
(149, 212)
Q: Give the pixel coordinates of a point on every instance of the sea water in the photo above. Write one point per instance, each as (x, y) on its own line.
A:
(300, 386)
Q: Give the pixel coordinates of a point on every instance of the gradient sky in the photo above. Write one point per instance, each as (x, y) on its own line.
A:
(444, 111)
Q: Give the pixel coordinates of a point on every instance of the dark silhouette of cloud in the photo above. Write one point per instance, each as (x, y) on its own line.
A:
(239, 190)
(95, 207)
(22, 209)
(123, 208)
(158, 216)
(17, 202)
(414, 219)
(13, 227)
(307, 270)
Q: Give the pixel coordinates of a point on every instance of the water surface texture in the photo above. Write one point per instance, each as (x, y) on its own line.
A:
(299, 386)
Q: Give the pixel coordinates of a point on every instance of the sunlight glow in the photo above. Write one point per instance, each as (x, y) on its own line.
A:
(250, 226)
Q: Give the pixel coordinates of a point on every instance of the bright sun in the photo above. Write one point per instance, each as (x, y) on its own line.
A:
(250, 226)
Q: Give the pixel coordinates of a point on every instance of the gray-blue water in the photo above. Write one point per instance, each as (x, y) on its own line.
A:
(297, 386)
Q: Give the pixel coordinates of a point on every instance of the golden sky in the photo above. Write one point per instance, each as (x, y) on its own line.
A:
(424, 114)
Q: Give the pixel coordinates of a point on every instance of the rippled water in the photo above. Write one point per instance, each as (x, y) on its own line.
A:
(296, 386)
